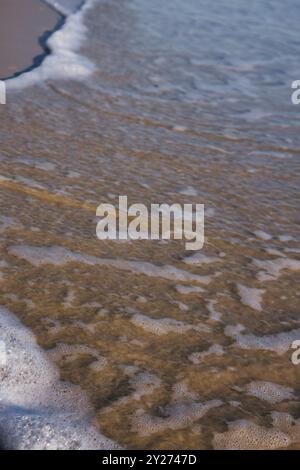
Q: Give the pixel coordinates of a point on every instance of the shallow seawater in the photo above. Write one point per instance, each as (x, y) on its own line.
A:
(189, 101)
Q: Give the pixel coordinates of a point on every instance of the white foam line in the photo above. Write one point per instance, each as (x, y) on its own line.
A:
(37, 410)
(164, 326)
(64, 61)
(279, 343)
(65, 7)
(59, 256)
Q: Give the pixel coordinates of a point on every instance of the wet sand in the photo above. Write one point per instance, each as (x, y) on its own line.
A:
(168, 361)
(24, 28)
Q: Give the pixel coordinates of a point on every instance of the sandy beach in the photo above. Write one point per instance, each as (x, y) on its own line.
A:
(24, 27)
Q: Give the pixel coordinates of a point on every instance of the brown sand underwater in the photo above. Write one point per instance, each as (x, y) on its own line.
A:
(173, 353)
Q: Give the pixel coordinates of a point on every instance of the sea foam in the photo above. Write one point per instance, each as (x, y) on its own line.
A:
(272, 269)
(59, 256)
(177, 416)
(163, 326)
(250, 296)
(279, 343)
(37, 410)
(247, 435)
(270, 391)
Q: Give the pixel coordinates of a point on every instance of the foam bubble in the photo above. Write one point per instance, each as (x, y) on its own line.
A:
(198, 259)
(189, 191)
(70, 352)
(69, 299)
(262, 235)
(286, 423)
(269, 391)
(196, 358)
(245, 435)
(185, 290)
(214, 315)
(271, 269)
(250, 296)
(274, 252)
(292, 250)
(183, 307)
(177, 416)
(181, 393)
(163, 326)
(30, 182)
(285, 238)
(144, 384)
(38, 411)
(73, 174)
(38, 163)
(278, 343)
